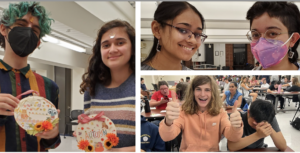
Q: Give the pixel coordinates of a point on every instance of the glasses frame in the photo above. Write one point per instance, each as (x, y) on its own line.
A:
(264, 35)
(177, 28)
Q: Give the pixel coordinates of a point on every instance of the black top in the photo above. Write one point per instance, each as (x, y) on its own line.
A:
(248, 130)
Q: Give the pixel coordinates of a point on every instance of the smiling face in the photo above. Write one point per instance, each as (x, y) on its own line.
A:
(164, 90)
(203, 95)
(172, 39)
(116, 48)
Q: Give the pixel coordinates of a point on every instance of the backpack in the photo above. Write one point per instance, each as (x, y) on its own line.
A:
(296, 123)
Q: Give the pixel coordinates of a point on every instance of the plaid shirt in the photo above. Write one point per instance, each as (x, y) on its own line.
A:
(15, 82)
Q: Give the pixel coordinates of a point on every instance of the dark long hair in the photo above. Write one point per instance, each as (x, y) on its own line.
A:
(287, 12)
(98, 72)
(169, 11)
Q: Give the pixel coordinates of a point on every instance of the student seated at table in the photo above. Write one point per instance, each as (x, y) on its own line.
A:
(295, 87)
(246, 90)
(181, 90)
(286, 83)
(226, 85)
(274, 88)
(254, 82)
(232, 96)
(160, 98)
(259, 122)
(150, 138)
(201, 118)
(264, 84)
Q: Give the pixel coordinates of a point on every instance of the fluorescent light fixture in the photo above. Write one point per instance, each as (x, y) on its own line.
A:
(71, 46)
(50, 39)
(63, 43)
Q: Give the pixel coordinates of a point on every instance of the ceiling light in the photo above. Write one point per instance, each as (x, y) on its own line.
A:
(53, 40)
(50, 39)
(71, 46)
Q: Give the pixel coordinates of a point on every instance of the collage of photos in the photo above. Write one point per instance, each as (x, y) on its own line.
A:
(73, 72)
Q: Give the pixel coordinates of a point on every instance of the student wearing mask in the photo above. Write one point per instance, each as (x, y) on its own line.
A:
(274, 34)
(201, 118)
(178, 33)
(23, 25)
(259, 123)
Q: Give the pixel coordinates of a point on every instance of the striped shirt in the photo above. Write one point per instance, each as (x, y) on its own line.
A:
(15, 82)
(118, 104)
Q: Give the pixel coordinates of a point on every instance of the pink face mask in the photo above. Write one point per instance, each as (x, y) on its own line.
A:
(269, 53)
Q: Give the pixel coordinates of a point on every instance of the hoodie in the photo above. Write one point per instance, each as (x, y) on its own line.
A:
(200, 132)
(150, 139)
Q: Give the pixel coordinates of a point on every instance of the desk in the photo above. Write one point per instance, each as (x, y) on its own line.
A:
(282, 94)
(269, 149)
(154, 114)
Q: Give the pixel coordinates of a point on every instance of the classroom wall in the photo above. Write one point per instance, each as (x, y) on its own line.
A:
(146, 50)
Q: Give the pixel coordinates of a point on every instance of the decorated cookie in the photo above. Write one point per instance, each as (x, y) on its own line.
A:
(35, 114)
(96, 133)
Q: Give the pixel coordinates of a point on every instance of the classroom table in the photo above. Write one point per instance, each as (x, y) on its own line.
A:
(282, 94)
(269, 149)
(154, 114)
(260, 90)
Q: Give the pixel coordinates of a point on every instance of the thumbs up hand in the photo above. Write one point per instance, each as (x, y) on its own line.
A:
(235, 117)
(172, 112)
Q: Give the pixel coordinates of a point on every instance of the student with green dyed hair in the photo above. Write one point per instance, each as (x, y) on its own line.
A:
(21, 27)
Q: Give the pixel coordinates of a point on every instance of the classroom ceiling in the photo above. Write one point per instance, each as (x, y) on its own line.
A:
(78, 22)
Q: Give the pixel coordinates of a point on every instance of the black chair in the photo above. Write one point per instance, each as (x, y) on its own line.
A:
(155, 87)
(74, 116)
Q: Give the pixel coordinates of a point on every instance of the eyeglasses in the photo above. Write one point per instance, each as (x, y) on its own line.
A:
(269, 35)
(162, 89)
(187, 34)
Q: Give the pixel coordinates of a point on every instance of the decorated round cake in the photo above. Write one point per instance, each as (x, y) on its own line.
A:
(96, 133)
(36, 114)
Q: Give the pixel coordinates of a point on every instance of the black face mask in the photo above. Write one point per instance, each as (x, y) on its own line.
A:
(22, 40)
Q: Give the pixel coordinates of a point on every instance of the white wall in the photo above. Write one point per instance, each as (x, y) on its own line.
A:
(201, 58)
(146, 51)
(76, 97)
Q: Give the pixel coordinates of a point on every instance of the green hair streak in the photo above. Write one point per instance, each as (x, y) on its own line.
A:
(18, 10)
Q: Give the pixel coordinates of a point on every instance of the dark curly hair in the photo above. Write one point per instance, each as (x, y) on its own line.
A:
(287, 12)
(98, 72)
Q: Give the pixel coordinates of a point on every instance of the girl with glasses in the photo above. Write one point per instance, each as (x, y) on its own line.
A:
(178, 33)
(274, 34)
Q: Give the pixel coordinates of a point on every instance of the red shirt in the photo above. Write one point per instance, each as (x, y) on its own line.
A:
(158, 97)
